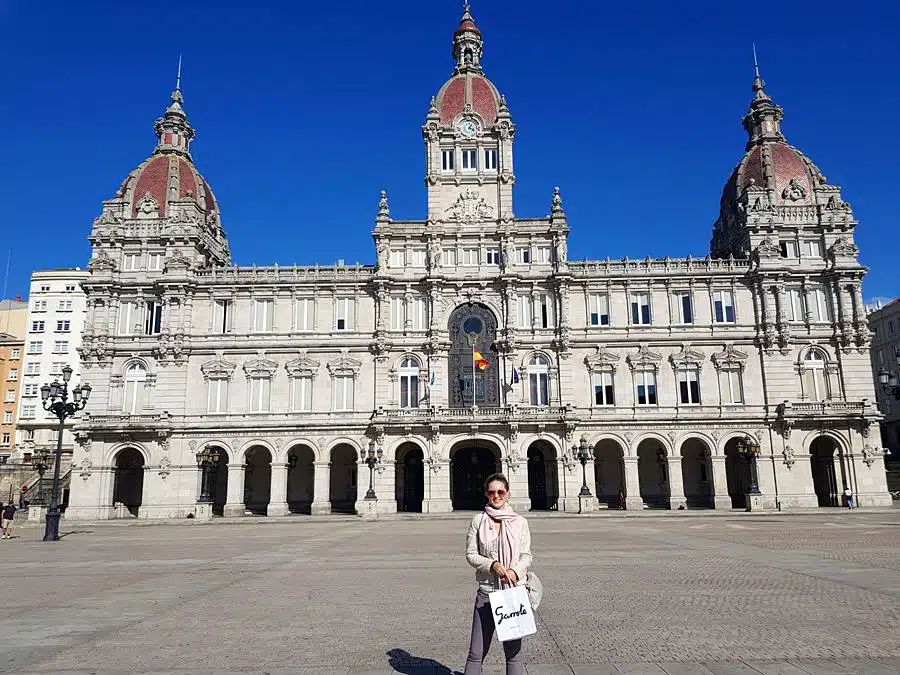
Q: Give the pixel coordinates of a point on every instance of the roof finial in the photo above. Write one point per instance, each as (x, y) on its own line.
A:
(178, 79)
(755, 62)
(758, 83)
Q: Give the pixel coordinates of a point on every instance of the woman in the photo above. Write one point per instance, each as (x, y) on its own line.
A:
(498, 546)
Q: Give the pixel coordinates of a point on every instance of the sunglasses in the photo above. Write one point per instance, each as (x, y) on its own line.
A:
(498, 493)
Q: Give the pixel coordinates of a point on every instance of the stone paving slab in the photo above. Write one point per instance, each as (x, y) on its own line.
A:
(677, 595)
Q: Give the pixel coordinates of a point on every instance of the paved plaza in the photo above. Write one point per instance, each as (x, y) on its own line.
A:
(743, 593)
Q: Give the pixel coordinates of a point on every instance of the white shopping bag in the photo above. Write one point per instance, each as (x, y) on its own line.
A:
(513, 616)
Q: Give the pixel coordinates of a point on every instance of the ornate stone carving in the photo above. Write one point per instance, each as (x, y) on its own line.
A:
(645, 358)
(688, 356)
(768, 248)
(843, 248)
(470, 207)
(260, 367)
(788, 454)
(218, 368)
(85, 468)
(384, 211)
(794, 191)
(871, 454)
(344, 365)
(147, 207)
(164, 468)
(302, 366)
(730, 358)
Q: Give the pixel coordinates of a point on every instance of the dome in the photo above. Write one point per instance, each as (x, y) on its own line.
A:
(779, 167)
(472, 89)
(162, 179)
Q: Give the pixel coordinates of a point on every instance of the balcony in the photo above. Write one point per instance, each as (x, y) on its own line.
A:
(470, 415)
(827, 410)
(121, 422)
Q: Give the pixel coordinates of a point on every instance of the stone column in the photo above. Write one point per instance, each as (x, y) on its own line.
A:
(721, 499)
(321, 504)
(234, 500)
(437, 489)
(633, 500)
(278, 505)
(518, 485)
(676, 484)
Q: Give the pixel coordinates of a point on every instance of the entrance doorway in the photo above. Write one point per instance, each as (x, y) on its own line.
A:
(470, 466)
(696, 469)
(343, 479)
(653, 473)
(128, 485)
(300, 480)
(218, 482)
(737, 473)
(542, 477)
(822, 453)
(410, 478)
(609, 472)
(257, 480)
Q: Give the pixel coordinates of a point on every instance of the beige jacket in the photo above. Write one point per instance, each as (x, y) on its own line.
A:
(481, 555)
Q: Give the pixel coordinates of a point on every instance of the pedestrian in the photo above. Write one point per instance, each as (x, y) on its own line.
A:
(620, 498)
(848, 497)
(9, 514)
(498, 546)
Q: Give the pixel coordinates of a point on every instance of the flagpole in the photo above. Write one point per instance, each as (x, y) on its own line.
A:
(473, 377)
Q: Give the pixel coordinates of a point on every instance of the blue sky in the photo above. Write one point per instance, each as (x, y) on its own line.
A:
(304, 111)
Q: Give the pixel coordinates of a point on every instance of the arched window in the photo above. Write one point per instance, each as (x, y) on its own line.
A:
(813, 377)
(135, 382)
(538, 370)
(409, 383)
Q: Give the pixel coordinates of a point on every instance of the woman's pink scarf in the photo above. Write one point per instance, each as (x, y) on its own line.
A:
(508, 548)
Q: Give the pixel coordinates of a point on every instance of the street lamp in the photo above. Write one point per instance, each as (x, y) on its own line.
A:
(889, 381)
(55, 399)
(40, 463)
(207, 459)
(372, 457)
(749, 450)
(581, 453)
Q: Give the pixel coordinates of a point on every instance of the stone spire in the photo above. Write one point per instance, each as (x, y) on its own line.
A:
(468, 47)
(173, 129)
(763, 121)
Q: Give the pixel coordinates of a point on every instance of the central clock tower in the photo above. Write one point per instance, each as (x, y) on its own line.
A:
(469, 139)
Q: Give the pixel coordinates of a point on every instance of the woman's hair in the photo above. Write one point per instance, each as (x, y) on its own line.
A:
(496, 477)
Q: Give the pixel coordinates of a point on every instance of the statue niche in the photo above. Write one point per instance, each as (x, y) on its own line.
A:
(473, 326)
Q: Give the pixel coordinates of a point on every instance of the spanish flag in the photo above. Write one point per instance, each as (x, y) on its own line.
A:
(480, 362)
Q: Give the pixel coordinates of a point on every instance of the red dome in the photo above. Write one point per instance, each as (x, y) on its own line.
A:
(167, 178)
(467, 25)
(468, 88)
(777, 166)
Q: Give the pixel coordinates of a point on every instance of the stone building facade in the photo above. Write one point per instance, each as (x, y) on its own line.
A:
(661, 368)
(885, 325)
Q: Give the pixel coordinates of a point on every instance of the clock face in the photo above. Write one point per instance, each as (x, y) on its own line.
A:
(468, 128)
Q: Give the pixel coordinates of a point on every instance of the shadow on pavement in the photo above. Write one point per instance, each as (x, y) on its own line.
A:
(404, 662)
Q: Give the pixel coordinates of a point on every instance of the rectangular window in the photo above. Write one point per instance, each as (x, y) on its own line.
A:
(640, 309)
(28, 411)
(343, 392)
(598, 310)
(154, 261)
(31, 389)
(33, 368)
(603, 389)
(306, 318)
(302, 393)
(15, 353)
(398, 313)
(419, 314)
(469, 160)
(61, 347)
(45, 289)
(469, 256)
(222, 316)
(13, 374)
(260, 394)
(64, 306)
(35, 347)
(645, 387)
(10, 396)
(345, 313)
(153, 318)
(546, 318)
(418, 257)
(723, 303)
(731, 387)
(794, 302)
(543, 254)
(131, 261)
(4, 438)
(490, 159)
(682, 308)
(821, 307)
(523, 255)
(788, 249)
(812, 248)
(39, 306)
(37, 326)
(218, 395)
(539, 388)
(409, 391)
(63, 326)
(398, 258)
(263, 315)
(449, 257)
(7, 417)
(493, 256)
(524, 307)
(689, 386)
(70, 288)
(56, 367)
(127, 318)
(448, 160)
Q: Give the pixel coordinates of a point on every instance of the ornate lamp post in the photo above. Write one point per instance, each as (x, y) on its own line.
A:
(372, 458)
(55, 399)
(889, 382)
(207, 459)
(40, 463)
(582, 453)
(749, 450)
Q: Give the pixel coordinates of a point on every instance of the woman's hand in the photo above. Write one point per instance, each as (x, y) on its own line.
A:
(512, 577)
(499, 570)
